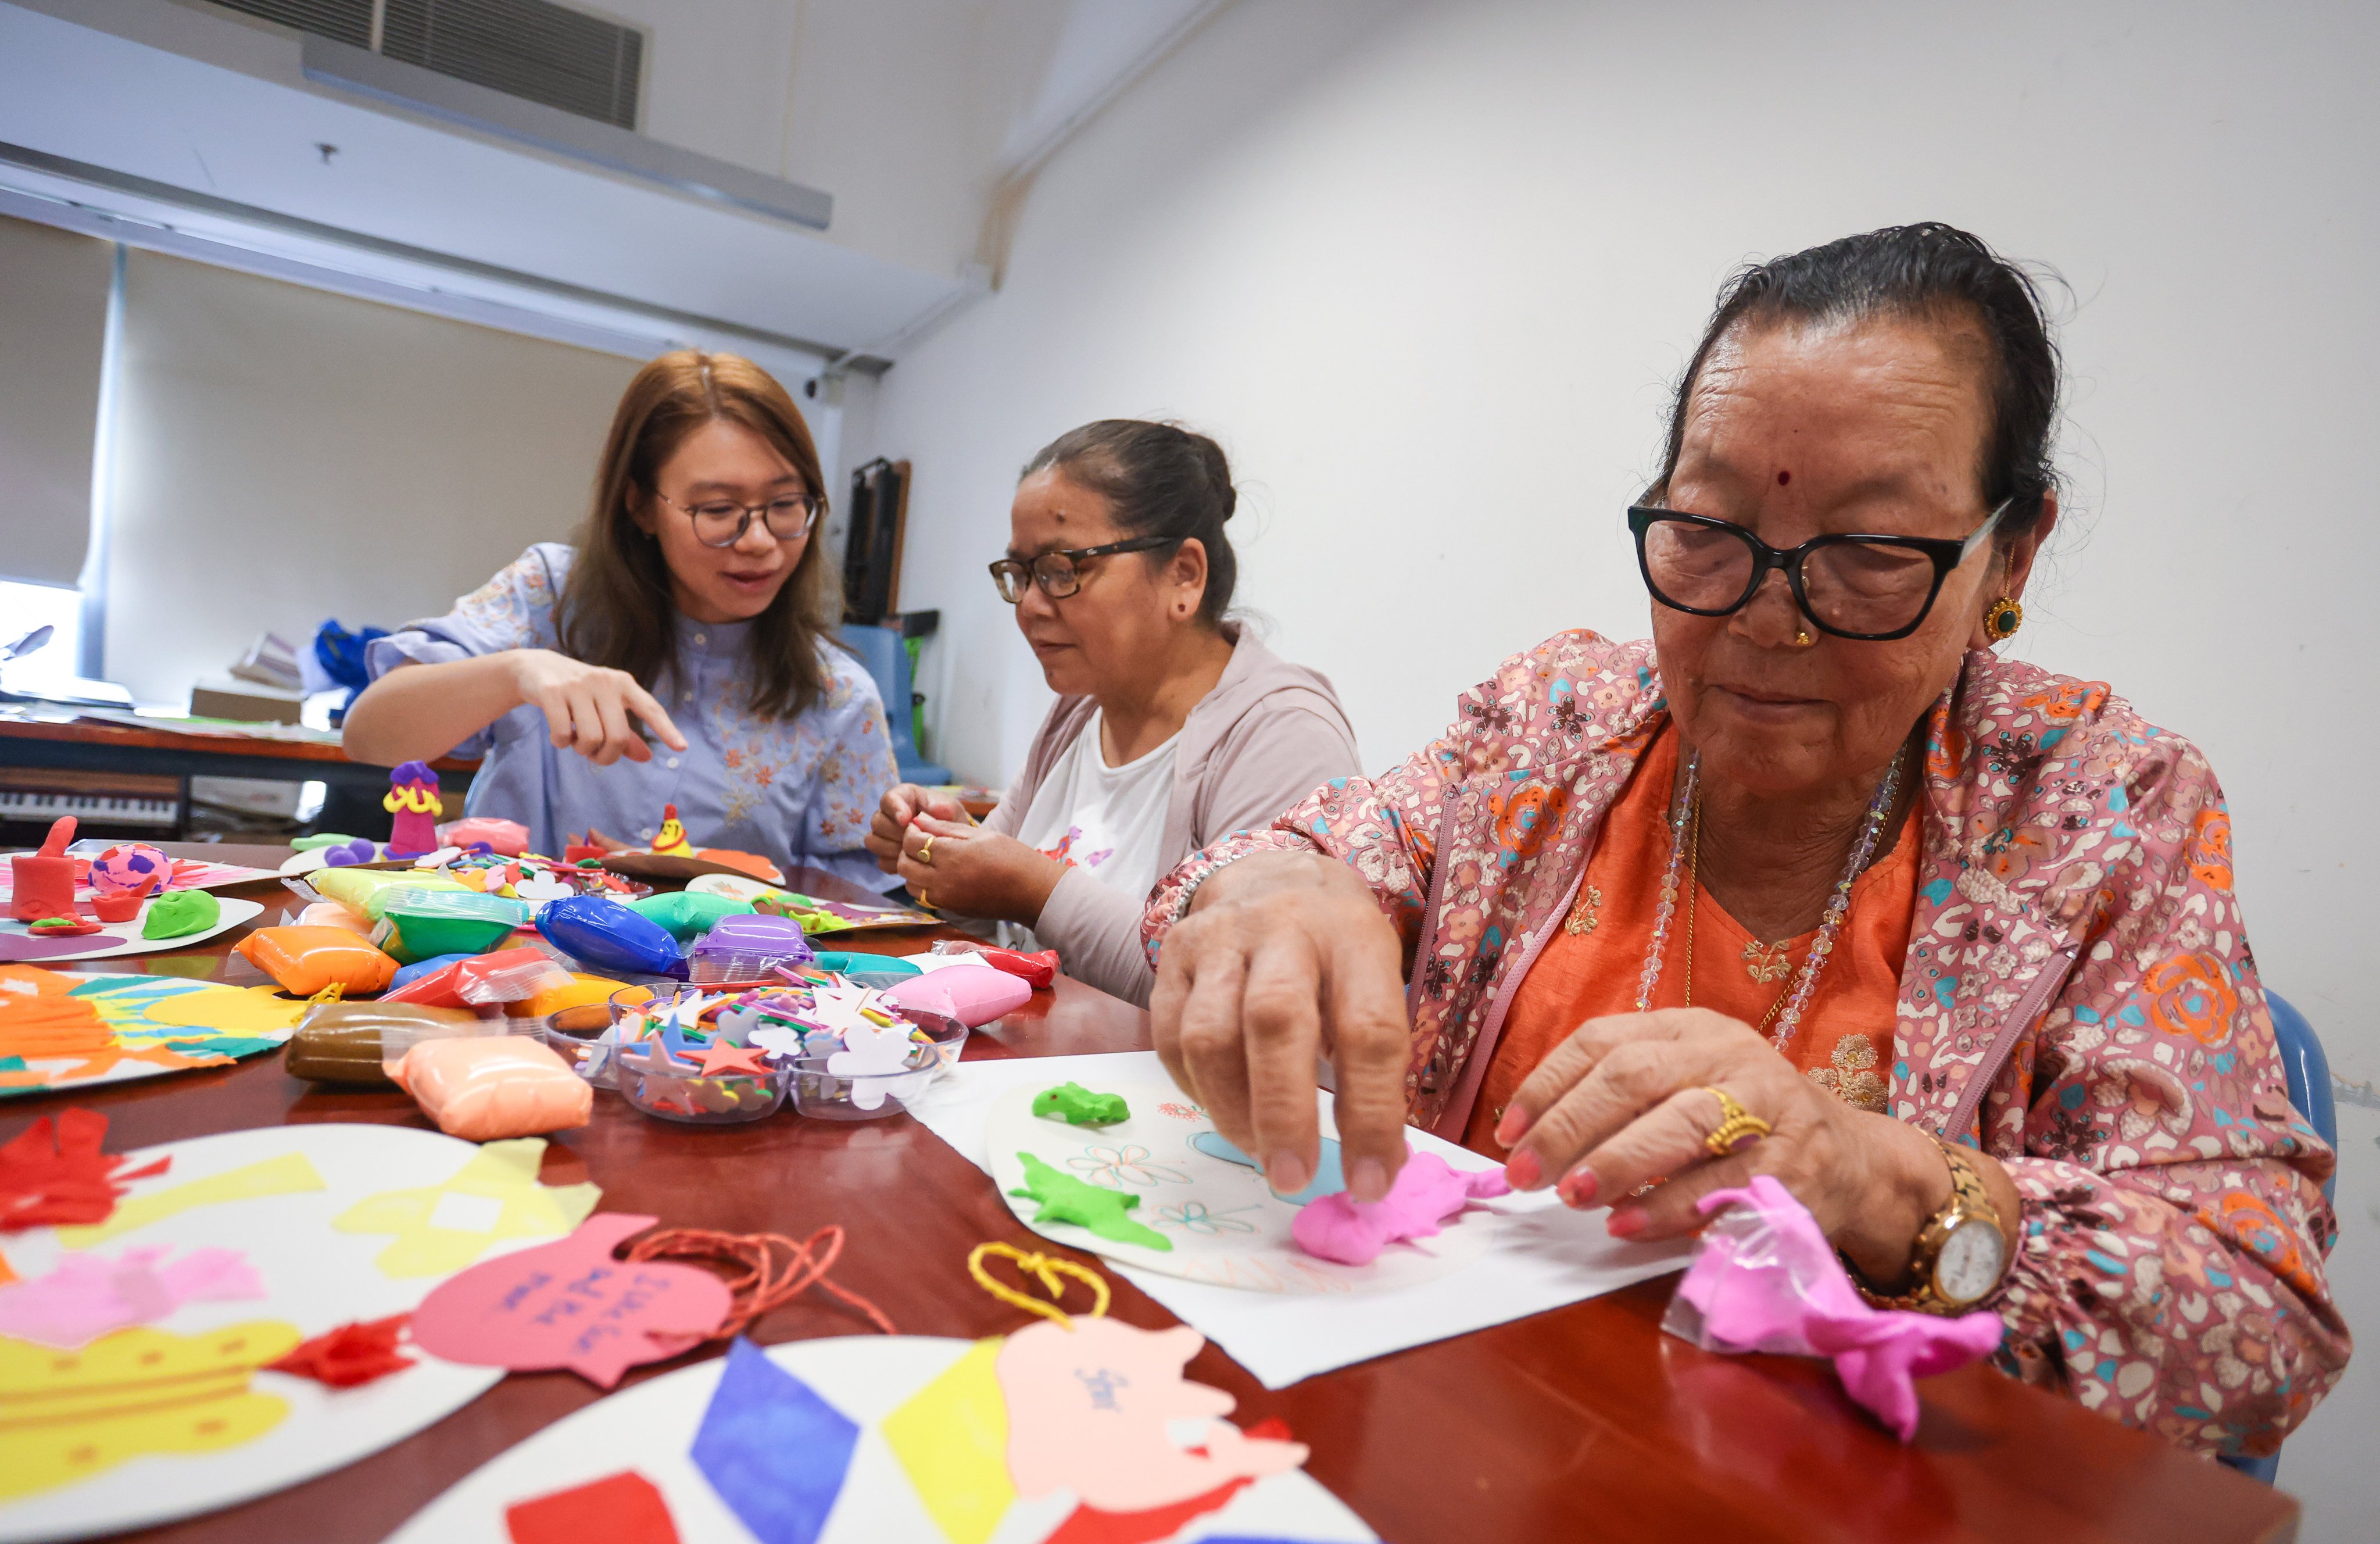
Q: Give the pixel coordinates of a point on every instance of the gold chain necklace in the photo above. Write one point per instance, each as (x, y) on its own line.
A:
(1694, 890)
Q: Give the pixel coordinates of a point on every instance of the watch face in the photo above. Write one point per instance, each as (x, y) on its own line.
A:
(1969, 1265)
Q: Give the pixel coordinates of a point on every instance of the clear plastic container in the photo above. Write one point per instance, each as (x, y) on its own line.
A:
(581, 1035)
(670, 1091)
(824, 1096)
(736, 968)
(947, 1033)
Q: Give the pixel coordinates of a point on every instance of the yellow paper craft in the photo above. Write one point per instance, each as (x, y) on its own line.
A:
(66, 1416)
(951, 1441)
(233, 1011)
(501, 1171)
(285, 1176)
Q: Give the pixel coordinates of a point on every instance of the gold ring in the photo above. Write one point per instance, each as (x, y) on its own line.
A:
(1738, 1127)
(926, 852)
(924, 903)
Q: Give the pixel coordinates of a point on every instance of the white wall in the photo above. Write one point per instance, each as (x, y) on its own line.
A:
(1428, 272)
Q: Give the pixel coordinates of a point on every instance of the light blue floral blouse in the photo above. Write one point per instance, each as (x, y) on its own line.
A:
(799, 792)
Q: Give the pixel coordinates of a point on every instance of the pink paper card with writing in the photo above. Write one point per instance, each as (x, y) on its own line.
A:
(569, 1304)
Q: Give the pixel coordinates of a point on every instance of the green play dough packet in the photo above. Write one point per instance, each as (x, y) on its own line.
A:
(687, 914)
(178, 913)
(424, 924)
(850, 962)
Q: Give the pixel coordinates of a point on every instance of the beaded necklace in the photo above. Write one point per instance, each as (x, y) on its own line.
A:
(1685, 841)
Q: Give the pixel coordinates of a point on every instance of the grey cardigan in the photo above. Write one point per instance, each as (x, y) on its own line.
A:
(1269, 734)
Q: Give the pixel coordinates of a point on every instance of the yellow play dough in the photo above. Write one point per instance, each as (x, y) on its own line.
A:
(951, 1440)
(506, 1172)
(230, 1011)
(354, 888)
(285, 1176)
(66, 1416)
(582, 990)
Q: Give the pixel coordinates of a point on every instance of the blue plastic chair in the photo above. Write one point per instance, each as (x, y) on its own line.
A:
(887, 659)
(2308, 1070)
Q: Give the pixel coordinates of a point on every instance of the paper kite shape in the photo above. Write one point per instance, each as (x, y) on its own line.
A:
(501, 1179)
(1428, 1191)
(625, 1508)
(412, 798)
(1065, 1198)
(99, 1405)
(62, 1178)
(350, 1356)
(85, 1296)
(569, 1304)
(288, 1174)
(950, 1438)
(1076, 1105)
(774, 1451)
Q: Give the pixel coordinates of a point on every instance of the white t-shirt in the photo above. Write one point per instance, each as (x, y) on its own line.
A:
(1106, 821)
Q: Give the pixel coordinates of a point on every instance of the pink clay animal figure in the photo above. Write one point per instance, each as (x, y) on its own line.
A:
(1426, 1193)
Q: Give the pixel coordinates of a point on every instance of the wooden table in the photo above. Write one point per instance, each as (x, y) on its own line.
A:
(33, 736)
(1586, 1422)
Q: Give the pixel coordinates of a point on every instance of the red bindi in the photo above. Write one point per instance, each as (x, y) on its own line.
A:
(1784, 478)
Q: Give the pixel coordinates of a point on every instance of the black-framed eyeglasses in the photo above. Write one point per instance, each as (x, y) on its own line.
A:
(1874, 588)
(722, 522)
(1060, 573)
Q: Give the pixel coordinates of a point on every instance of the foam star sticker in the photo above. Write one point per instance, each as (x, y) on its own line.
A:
(501, 1171)
(719, 1058)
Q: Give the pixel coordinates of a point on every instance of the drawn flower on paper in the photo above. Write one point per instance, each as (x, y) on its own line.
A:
(1182, 1112)
(1194, 1217)
(1127, 1165)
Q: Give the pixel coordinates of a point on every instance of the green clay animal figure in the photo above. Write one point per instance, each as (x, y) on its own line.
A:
(1076, 1105)
(1065, 1198)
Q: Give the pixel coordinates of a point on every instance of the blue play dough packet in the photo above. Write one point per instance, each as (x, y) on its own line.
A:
(608, 938)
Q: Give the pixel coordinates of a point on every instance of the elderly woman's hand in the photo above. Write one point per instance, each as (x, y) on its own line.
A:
(1283, 961)
(1625, 1103)
(958, 866)
(902, 803)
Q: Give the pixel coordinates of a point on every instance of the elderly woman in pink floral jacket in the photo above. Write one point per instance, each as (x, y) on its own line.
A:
(1993, 1017)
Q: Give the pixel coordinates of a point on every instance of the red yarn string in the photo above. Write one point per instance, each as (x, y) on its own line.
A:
(757, 1283)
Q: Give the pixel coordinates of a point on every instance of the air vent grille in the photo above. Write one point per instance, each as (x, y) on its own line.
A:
(527, 48)
(347, 21)
(531, 49)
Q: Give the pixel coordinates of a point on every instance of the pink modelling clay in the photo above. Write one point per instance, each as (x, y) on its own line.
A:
(1428, 1191)
(974, 994)
(485, 1087)
(1763, 1278)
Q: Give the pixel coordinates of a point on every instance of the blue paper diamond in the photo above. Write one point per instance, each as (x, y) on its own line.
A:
(774, 1451)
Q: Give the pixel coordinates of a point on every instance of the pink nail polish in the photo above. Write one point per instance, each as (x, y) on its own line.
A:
(1523, 1171)
(1627, 1222)
(1578, 1186)
(1512, 1127)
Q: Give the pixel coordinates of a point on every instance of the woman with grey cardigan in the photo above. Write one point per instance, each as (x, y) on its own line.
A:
(1172, 728)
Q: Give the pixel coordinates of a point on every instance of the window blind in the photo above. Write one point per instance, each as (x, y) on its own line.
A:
(53, 330)
(282, 454)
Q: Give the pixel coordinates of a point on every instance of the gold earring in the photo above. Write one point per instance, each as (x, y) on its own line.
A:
(1801, 639)
(2004, 618)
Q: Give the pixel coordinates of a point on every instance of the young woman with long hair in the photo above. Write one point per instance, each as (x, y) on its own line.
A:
(678, 653)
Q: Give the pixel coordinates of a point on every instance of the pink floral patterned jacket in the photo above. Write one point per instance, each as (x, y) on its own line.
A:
(2079, 998)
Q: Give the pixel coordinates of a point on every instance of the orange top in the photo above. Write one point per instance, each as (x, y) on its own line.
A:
(1590, 967)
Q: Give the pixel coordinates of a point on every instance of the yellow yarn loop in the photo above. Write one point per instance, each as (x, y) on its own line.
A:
(1046, 1268)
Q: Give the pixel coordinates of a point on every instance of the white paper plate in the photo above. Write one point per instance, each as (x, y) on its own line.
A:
(650, 1428)
(236, 912)
(315, 1278)
(1226, 1226)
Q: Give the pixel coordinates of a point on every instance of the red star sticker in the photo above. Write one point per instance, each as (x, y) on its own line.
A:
(718, 1057)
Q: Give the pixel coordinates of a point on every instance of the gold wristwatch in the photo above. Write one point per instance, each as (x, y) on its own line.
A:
(1961, 1253)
